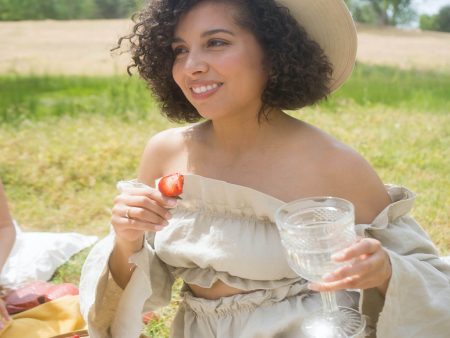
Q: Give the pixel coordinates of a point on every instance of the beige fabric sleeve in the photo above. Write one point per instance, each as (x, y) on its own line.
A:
(418, 296)
(110, 311)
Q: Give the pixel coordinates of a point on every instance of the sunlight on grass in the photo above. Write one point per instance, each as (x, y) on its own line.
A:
(64, 171)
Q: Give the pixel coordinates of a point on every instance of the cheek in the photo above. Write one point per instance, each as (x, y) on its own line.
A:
(248, 73)
(246, 61)
(176, 75)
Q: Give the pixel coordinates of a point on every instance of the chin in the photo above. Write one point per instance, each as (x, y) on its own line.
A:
(212, 114)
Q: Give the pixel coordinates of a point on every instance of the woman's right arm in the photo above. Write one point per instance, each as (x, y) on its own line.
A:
(147, 210)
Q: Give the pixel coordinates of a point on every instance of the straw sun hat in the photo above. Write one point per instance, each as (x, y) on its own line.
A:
(330, 24)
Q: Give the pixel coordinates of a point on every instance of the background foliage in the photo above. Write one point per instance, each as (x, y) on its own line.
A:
(397, 12)
(67, 9)
(380, 12)
(438, 22)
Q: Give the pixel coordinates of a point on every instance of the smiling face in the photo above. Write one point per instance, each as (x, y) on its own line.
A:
(218, 64)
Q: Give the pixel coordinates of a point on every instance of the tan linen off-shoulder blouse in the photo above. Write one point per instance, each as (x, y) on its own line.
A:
(222, 231)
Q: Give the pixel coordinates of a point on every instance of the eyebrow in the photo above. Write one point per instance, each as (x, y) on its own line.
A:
(207, 33)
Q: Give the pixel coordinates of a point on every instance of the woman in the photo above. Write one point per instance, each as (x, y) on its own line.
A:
(236, 65)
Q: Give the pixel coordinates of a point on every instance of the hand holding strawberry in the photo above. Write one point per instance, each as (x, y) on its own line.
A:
(141, 208)
(138, 209)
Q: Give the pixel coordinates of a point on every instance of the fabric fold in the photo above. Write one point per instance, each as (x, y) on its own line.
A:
(419, 288)
(111, 311)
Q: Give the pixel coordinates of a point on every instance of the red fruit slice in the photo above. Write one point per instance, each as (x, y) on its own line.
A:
(171, 185)
(149, 316)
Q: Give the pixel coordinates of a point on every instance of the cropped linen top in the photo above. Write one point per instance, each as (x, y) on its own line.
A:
(227, 232)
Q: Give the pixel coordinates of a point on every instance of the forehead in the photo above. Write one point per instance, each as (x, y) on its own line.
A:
(208, 15)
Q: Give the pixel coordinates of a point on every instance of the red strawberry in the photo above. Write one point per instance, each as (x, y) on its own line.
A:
(149, 316)
(171, 185)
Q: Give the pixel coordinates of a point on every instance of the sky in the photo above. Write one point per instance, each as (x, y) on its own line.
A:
(429, 6)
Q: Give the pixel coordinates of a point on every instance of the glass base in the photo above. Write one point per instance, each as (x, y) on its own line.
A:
(345, 323)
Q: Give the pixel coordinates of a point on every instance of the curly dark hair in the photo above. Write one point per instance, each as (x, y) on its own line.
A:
(298, 70)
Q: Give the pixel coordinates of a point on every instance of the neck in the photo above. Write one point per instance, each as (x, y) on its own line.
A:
(239, 133)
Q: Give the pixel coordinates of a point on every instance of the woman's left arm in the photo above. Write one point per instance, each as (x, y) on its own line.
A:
(369, 266)
(405, 285)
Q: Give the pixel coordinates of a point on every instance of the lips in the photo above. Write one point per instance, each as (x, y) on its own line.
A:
(202, 90)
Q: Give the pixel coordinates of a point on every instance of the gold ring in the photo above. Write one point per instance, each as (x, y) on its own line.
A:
(127, 213)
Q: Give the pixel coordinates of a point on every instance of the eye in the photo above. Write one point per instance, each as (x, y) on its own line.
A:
(178, 50)
(217, 43)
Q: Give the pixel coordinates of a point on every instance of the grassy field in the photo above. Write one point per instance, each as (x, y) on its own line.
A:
(67, 140)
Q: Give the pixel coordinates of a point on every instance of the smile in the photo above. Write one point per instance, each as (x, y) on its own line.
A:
(206, 89)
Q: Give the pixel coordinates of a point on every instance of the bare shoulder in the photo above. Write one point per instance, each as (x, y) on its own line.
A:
(347, 174)
(356, 181)
(159, 151)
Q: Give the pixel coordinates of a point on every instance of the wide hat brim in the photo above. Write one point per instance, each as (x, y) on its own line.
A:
(330, 24)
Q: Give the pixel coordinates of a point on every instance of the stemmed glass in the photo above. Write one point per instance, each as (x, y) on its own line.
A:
(311, 230)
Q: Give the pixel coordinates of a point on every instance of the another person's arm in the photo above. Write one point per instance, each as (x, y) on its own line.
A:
(7, 230)
(7, 238)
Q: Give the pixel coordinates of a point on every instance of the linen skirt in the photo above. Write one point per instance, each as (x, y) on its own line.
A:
(258, 314)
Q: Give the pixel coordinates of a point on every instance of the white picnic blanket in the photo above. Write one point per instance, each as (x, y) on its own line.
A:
(37, 255)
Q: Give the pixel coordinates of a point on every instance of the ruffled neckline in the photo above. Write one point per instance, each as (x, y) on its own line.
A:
(201, 192)
(207, 190)
(216, 181)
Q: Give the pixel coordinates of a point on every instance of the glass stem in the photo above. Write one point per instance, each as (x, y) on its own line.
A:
(329, 302)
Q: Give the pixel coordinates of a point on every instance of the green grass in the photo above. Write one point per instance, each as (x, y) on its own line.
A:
(66, 141)
(417, 90)
(36, 98)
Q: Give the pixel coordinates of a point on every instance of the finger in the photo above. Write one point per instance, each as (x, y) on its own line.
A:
(125, 201)
(358, 267)
(366, 246)
(121, 223)
(354, 282)
(144, 215)
(154, 207)
(155, 195)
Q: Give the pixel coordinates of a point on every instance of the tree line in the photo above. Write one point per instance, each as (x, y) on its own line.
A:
(397, 12)
(66, 9)
(380, 12)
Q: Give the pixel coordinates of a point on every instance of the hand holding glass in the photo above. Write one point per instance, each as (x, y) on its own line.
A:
(312, 230)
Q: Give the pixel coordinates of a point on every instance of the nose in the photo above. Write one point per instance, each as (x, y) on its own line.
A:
(195, 63)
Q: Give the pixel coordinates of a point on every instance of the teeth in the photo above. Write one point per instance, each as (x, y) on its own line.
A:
(204, 89)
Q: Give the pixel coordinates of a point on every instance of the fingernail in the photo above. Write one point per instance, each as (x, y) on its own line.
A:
(159, 227)
(168, 215)
(172, 202)
(337, 256)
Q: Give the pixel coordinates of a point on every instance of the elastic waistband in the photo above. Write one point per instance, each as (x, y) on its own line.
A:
(241, 302)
